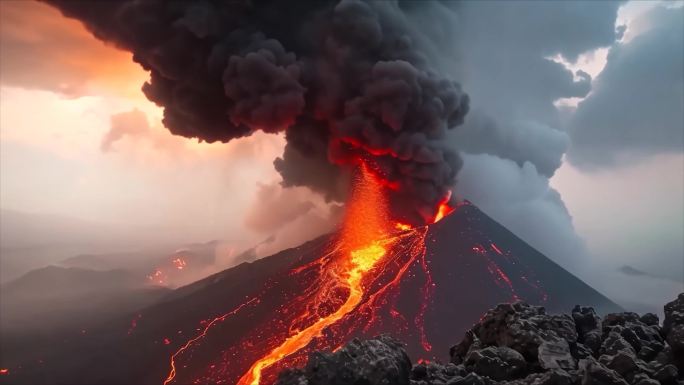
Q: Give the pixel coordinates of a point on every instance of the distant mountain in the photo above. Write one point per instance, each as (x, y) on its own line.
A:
(54, 282)
(30, 241)
(54, 297)
(629, 270)
(433, 284)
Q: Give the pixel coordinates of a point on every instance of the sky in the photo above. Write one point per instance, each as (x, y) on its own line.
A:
(574, 140)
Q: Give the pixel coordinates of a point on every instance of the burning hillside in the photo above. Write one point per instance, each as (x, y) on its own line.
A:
(364, 116)
(423, 285)
(343, 293)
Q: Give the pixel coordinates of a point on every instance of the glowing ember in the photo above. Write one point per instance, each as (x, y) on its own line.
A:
(402, 226)
(172, 374)
(179, 263)
(134, 324)
(157, 276)
(496, 249)
(4, 371)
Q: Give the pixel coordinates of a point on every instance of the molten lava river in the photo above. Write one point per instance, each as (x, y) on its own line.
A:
(347, 292)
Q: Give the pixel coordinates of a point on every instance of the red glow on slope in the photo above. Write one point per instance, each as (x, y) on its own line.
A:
(134, 324)
(427, 291)
(157, 277)
(172, 373)
(179, 263)
(348, 290)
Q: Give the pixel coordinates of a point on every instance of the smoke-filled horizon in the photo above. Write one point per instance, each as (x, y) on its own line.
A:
(344, 80)
(553, 147)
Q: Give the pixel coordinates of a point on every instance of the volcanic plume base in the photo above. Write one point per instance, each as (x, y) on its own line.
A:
(373, 277)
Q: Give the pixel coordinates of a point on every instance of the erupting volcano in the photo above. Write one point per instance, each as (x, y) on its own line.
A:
(348, 286)
(361, 248)
(372, 277)
(422, 285)
(355, 98)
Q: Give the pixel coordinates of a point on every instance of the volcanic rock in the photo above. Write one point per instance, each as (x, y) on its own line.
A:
(586, 320)
(593, 373)
(429, 307)
(378, 361)
(673, 329)
(497, 363)
(674, 314)
(667, 374)
(516, 344)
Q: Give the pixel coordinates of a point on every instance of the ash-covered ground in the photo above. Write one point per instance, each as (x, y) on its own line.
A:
(521, 344)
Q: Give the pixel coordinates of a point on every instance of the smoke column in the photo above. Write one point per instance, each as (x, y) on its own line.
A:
(343, 80)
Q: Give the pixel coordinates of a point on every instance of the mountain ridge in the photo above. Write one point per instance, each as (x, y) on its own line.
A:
(470, 260)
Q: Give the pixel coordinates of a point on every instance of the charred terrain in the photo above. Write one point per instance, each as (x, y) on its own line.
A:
(432, 285)
(521, 344)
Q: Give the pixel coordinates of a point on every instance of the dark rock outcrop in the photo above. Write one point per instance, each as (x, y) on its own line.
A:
(516, 344)
(673, 329)
(378, 361)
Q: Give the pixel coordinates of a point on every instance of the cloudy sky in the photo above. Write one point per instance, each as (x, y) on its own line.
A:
(575, 138)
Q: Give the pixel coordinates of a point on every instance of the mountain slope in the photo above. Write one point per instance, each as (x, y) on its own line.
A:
(434, 283)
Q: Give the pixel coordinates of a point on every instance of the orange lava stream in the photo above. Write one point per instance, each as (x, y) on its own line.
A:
(443, 209)
(362, 261)
(172, 373)
(363, 246)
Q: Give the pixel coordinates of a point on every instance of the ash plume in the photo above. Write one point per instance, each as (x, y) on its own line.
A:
(344, 81)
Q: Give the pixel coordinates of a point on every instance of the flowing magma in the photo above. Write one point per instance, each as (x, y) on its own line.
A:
(346, 288)
(363, 244)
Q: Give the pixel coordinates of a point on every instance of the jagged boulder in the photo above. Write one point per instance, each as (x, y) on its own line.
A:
(586, 320)
(496, 362)
(379, 361)
(594, 373)
(673, 329)
(427, 373)
(516, 344)
(523, 328)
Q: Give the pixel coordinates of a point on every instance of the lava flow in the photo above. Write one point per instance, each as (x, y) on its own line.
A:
(350, 290)
(363, 244)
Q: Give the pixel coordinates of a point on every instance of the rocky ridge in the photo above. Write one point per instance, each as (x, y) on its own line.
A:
(515, 344)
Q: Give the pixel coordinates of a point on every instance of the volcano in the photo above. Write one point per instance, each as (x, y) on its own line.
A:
(434, 283)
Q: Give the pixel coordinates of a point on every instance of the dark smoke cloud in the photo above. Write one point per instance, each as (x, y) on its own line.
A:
(518, 140)
(635, 110)
(344, 80)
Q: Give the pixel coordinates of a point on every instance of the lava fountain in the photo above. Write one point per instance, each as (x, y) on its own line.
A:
(346, 292)
(363, 244)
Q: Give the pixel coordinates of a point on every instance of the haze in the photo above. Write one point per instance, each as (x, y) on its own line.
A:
(574, 142)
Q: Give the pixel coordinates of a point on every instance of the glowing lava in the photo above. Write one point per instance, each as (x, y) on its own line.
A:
(443, 209)
(172, 373)
(363, 247)
(350, 288)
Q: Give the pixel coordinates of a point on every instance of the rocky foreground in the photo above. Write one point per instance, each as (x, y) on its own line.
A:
(521, 344)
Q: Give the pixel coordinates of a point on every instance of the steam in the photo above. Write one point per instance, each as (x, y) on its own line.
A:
(344, 81)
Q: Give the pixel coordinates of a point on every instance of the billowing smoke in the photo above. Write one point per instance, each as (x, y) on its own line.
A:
(344, 81)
